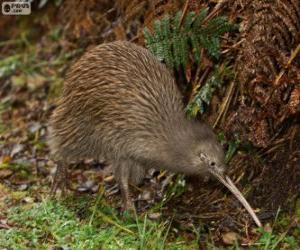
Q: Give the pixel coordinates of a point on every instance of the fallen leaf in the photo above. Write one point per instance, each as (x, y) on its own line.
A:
(4, 173)
(29, 200)
(230, 238)
(35, 81)
(34, 127)
(294, 102)
(3, 224)
(23, 187)
(268, 228)
(6, 159)
(87, 185)
(145, 196)
(154, 216)
(16, 149)
(109, 178)
(18, 81)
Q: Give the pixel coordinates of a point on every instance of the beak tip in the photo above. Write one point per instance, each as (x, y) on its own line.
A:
(231, 186)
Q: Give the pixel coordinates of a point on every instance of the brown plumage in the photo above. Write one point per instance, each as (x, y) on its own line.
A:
(121, 104)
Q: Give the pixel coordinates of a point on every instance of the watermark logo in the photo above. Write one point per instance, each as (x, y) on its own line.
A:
(16, 8)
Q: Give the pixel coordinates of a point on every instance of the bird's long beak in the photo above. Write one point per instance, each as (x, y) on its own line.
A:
(230, 185)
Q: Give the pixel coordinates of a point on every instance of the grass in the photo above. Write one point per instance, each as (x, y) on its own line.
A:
(52, 224)
(272, 241)
(88, 222)
(4, 104)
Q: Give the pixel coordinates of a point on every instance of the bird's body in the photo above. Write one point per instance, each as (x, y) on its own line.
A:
(121, 104)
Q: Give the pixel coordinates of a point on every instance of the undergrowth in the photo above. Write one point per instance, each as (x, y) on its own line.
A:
(204, 94)
(52, 224)
(172, 42)
(89, 224)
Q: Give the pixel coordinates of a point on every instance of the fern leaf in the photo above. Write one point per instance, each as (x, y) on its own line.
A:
(157, 30)
(214, 47)
(204, 95)
(149, 40)
(199, 19)
(158, 38)
(176, 50)
(189, 19)
(217, 26)
(183, 43)
(173, 44)
(167, 45)
(207, 90)
(176, 22)
(211, 44)
(196, 48)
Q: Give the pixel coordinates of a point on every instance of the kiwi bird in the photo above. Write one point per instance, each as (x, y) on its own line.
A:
(119, 103)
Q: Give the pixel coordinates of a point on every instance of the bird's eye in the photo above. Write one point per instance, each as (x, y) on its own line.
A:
(212, 164)
(202, 157)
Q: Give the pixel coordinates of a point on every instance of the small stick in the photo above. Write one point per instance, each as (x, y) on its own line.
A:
(281, 73)
(215, 10)
(185, 8)
(292, 57)
(225, 103)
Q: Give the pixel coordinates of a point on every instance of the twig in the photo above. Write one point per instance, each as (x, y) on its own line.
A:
(215, 10)
(199, 83)
(292, 57)
(234, 46)
(185, 8)
(10, 42)
(225, 103)
(292, 136)
(281, 73)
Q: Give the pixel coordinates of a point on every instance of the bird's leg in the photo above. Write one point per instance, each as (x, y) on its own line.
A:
(60, 180)
(137, 174)
(122, 175)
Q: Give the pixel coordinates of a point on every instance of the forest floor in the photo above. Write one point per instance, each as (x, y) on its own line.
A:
(173, 211)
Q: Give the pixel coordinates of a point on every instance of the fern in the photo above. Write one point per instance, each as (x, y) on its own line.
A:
(172, 42)
(204, 95)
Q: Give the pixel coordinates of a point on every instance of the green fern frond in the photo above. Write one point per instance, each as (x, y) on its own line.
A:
(217, 26)
(158, 45)
(167, 46)
(196, 48)
(211, 44)
(189, 19)
(200, 18)
(172, 43)
(204, 95)
(184, 52)
(149, 40)
(176, 22)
